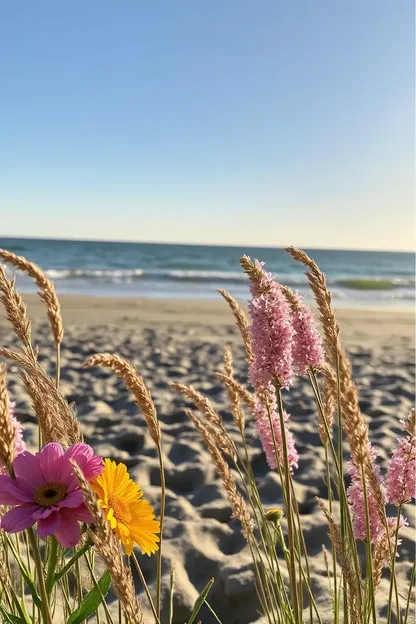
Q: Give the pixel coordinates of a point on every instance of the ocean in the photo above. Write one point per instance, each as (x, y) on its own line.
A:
(356, 278)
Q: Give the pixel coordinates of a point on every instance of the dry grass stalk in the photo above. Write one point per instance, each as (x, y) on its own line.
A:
(15, 308)
(7, 431)
(239, 507)
(108, 548)
(252, 269)
(381, 559)
(214, 420)
(235, 401)
(290, 297)
(234, 385)
(241, 322)
(323, 300)
(354, 425)
(329, 398)
(346, 565)
(135, 383)
(410, 425)
(46, 290)
(57, 421)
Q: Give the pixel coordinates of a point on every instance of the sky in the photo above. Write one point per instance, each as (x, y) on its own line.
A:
(210, 121)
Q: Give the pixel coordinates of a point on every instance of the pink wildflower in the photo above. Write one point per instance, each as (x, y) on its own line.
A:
(19, 445)
(400, 478)
(46, 491)
(307, 343)
(265, 434)
(271, 333)
(356, 500)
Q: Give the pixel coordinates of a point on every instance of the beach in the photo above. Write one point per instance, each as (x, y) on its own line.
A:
(183, 341)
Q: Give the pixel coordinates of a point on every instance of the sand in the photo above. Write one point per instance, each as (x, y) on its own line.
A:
(184, 342)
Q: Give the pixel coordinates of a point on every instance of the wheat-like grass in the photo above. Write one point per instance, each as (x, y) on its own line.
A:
(290, 297)
(241, 322)
(7, 432)
(46, 290)
(57, 421)
(15, 308)
(346, 565)
(317, 281)
(213, 419)
(230, 382)
(353, 422)
(234, 397)
(135, 383)
(108, 548)
(329, 398)
(253, 271)
(239, 507)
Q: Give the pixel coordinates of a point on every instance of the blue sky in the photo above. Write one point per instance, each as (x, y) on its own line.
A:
(220, 121)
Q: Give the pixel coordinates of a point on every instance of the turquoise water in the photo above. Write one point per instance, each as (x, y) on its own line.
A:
(196, 271)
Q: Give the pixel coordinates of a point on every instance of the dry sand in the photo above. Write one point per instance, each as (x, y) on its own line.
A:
(184, 341)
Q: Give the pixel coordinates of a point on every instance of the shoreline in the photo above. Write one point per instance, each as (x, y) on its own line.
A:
(357, 325)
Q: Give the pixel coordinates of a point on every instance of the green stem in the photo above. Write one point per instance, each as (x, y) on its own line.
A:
(289, 510)
(370, 578)
(146, 589)
(52, 561)
(161, 521)
(393, 569)
(41, 579)
(78, 554)
(409, 593)
(334, 557)
(342, 494)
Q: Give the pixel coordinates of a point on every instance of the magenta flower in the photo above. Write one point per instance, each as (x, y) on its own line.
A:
(271, 333)
(46, 491)
(307, 343)
(400, 478)
(19, 445)
(265, 434)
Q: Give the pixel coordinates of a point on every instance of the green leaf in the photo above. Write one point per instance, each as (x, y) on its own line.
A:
(92, 600)
(25, 573)
(9, 618)
(200, 601)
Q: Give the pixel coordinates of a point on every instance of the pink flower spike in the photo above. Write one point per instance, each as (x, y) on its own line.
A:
(400, 478)
(46, 491)
(271, 332)
(265, 434)
(356, 500)
(307, 343)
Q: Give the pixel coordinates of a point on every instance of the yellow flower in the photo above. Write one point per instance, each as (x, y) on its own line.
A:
(130, 516)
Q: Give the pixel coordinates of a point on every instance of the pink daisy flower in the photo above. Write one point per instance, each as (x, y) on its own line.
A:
(46, 491)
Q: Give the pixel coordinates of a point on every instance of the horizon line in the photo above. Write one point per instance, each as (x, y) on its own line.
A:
(155, 242)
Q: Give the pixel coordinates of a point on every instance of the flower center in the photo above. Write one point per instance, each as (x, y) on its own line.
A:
(121, 510)
(50, 494)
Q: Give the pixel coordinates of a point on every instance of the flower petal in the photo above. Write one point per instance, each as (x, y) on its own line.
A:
(13, 492)
(69, 533)
(90, 464)
(26, 467)
(74, 499)
(50, 461)
(82, 514)
(49, 525)
(18, 518)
